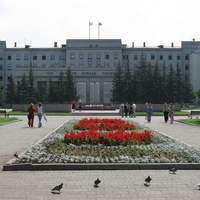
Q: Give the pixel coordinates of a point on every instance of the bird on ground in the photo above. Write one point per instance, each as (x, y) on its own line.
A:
(148, 180)
(97, 182)
(56, 189)
(198, 186)
(173, 170)
(16, 155)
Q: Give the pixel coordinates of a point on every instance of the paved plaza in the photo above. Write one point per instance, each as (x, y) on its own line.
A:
(121, 184)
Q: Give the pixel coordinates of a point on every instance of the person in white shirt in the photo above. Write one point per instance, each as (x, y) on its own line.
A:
(134, 109)
(40, 112)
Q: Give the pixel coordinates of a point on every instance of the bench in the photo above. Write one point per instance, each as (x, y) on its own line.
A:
(194, 113)
(4, 113)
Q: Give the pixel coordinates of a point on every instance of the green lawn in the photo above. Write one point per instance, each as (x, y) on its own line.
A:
(48, 113)
(7, 119)
(67, 113)
(191, 121)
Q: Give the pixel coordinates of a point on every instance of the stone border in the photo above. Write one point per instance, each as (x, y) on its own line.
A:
(97, 166)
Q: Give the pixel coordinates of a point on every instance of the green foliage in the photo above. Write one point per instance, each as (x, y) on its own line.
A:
(118, 85)
(70, 90)
(10, 91)
(147, 83)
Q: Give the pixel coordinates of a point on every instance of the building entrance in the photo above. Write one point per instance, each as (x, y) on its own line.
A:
(94, 92)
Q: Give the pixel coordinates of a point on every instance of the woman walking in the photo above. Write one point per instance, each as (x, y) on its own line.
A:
(31, 111)
(166, 112)
(40, 112)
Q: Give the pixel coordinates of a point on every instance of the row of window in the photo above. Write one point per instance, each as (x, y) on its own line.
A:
(153, 57)
(98, 55)
(35, 57)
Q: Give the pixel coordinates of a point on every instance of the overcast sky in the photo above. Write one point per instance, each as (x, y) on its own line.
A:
(40, 23)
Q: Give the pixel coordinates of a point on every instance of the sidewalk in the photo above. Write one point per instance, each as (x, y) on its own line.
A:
(128, 184)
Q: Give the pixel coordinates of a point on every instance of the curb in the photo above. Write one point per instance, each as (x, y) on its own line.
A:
(97, 166)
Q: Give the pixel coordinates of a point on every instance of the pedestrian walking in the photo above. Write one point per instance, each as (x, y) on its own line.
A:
(73, 106)
(40, 113)
(134, 109)
(79, 105)
(149, 112)
(172, 117)
(130, 110)
(126, 109)
(31, 113)
(121, 109)
(166, 112)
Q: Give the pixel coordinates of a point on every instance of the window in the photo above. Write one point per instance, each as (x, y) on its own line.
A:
(107, 55)
(18, 56)
(125, 57)
(1, 67)
(9, 57)
(43, 57)
(89, 56)
(1, 56)
(81, 56)
(72, 56)
(135, 57)
(89, 61)
(152, 57)
(35, 57)
(115, 55)
(98, 62)
(98, 56)
(25, 56)
(170, 57)
(161, 57)
(178, 57)
(60, 57)
(187, 57)
(9, 67)
(186, 67)
(52, 57)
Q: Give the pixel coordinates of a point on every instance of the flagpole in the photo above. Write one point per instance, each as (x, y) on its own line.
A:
(89, 31)
(90, 24)
(99, 24)
(98, 30)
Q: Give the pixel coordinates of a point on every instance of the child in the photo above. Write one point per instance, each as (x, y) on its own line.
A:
(172, 117)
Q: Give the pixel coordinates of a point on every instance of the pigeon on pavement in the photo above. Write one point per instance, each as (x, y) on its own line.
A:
(56, 189)
(97, 182)
(16, 155)
(173, 170)
(148, 180)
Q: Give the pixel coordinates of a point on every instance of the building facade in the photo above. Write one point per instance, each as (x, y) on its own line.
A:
(93, 63)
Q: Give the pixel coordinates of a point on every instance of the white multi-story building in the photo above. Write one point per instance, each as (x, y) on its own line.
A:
(93, 63)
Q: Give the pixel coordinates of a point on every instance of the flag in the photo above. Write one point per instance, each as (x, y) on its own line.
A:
(100, 24)
(90, 23)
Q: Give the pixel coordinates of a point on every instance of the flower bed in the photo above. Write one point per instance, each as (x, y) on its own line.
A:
(113, 132)
(98, 145)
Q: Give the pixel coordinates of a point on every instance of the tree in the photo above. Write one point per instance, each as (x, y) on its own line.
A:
(197, 93)
(10, 91)
(171, 85)
(61, 91)
(142, 77)
(188, 90)
(179, 85)
(23, 90)
(118, 85)
(156, 85)
(31, 89)
(70, 90)
(51, 96)
(128, 94)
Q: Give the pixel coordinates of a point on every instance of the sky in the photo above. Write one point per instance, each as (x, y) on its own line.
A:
(40, 23)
